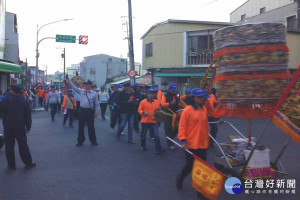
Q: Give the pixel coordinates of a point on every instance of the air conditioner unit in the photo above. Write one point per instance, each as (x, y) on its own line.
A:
(194, 53)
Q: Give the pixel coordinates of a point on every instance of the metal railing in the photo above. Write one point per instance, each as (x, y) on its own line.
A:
(200, 57)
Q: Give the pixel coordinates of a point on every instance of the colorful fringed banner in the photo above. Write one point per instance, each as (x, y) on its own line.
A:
(252, 70)
(287, 117)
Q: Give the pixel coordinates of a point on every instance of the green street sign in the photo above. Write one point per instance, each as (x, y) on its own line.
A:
(66, 38)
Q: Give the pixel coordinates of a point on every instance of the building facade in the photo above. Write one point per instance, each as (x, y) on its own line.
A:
(9, 55)
(286, 12)
(41, 78)
(179, 51)
(102, 69)
(71, 71)
(12, 39)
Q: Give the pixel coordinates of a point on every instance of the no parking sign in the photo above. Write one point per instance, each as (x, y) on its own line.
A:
(132, 73)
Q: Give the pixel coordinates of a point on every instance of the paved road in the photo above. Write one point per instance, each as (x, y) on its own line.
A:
(116, 170)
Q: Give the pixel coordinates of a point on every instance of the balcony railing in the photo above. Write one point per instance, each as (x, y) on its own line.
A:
(200, 57)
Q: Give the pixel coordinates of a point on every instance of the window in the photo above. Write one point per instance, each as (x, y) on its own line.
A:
(122, 60)
(200, 50)
(15, 24)
(92, 71)
(262, 10)
(291, 22)
(243, 17)
(149, 50)
(109, 59)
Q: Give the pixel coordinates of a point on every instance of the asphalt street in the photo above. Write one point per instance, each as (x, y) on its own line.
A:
(117, 170)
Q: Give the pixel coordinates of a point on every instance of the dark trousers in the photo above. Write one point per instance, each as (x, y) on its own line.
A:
(213, 128)
(187, 169)
(154, 129)
(86, 116)
(53, 108)
(41, 101)
(69, 114)
(76, 111)
(103, 107)
(137, 119)
(18, 133)
(114, 117)
(169, 130)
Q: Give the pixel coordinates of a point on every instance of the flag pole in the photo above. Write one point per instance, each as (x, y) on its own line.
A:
(179, 145)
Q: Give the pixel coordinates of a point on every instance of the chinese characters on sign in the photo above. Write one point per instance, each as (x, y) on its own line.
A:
(270, 186)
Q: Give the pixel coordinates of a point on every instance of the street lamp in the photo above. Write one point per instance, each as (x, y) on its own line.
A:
(37, 50)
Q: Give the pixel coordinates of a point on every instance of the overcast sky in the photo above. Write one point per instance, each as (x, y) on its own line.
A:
(101, 21)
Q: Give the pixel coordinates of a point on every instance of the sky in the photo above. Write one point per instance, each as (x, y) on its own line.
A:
(102, 22)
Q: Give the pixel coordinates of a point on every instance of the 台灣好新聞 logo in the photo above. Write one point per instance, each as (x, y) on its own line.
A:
(233, 186)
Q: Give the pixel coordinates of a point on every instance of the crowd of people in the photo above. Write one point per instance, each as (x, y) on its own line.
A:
(141, 109)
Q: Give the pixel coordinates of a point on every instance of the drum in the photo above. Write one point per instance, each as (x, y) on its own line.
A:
(1, 141)
(160, 116)
(178, 114)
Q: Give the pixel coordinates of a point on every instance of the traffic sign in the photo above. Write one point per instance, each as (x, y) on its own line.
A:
(83, 39)
(66, 38)
(132, 73)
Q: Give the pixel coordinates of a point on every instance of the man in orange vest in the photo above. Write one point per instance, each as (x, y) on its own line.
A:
(69, 103)
(40, 94)
(147, 109)
(193, 131)
(159, 92)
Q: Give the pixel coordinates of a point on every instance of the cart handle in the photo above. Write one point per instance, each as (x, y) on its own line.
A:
(221, 150)
(217, 122)
(193, 154)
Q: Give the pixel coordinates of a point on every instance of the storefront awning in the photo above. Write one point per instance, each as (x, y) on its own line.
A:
(181, 75)
(10, 68)
(121, 81)
(144, 80)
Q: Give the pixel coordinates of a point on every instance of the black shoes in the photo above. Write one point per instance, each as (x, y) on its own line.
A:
(30, 166)
(94, 143)
(160, 151)
(179, 182)
(78, 144)
(71, 126)
(11, 168)
(118, 137)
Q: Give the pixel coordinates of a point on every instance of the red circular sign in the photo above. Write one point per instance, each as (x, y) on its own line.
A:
(132, 73)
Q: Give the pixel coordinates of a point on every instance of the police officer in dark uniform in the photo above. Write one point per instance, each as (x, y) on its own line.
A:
(89, 109)
(16, 122)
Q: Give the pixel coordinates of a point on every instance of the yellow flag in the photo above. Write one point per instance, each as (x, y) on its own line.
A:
(206, 179)
(287, 117)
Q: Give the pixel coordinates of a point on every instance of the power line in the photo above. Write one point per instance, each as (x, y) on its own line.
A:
(201, 6)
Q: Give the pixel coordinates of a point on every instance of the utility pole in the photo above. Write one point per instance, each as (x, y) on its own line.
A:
(46, 74)
(131, 52)
(63, 55)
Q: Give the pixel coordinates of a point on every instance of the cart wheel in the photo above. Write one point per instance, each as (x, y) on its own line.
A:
(229, 172)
